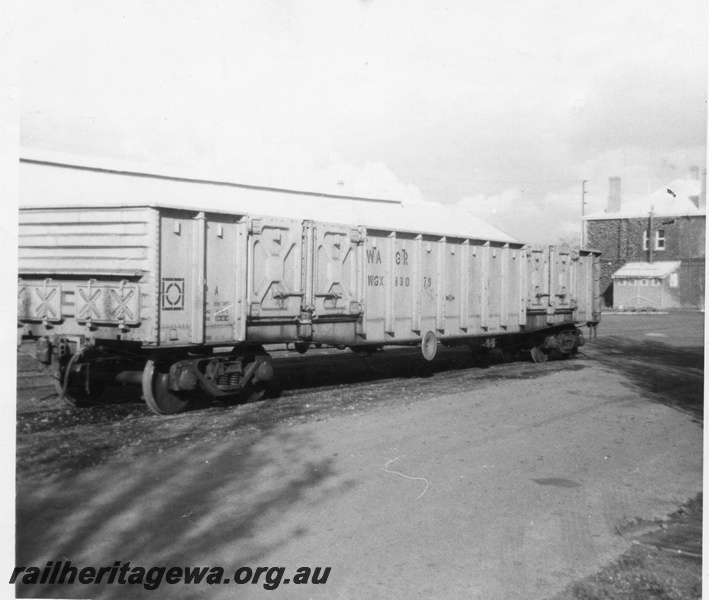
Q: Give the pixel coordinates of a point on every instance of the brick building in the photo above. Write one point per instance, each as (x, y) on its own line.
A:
(665, 226)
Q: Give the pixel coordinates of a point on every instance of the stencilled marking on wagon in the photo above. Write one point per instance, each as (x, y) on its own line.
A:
(173, 293)
(374, 256)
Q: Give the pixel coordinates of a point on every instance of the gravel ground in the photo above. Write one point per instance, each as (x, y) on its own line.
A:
(341, 400)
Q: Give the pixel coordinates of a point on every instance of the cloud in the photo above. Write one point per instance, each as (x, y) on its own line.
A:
(546, 220)
(655, 107)
(488, 206)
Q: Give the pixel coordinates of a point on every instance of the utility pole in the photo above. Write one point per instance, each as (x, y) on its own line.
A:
(650, 236)
(583, 212)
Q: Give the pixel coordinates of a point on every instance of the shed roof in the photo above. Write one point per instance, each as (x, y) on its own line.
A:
(51, 180)
(647, 270)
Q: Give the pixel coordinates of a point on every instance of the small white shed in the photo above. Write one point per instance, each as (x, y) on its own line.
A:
(647, 285)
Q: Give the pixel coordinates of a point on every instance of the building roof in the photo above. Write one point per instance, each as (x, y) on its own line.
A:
(49, 179)
(636, 270)
(671, 200)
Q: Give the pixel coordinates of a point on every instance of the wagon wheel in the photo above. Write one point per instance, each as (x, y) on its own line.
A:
(556, 355)
(538, 355)
(429, 345)
(157, 394)
(253, 392)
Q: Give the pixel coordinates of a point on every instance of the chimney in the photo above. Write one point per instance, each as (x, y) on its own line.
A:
(614, 195)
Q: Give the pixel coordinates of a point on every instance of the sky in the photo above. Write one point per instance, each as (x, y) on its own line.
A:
(503, 108)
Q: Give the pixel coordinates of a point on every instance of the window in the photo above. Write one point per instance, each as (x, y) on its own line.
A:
(660, 239)
(643, 282)
(674, 280)
(655, 282)
(621, 282)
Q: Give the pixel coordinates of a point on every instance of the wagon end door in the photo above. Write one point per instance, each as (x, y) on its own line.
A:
(562, 280)
(275, 269)
(537, 279)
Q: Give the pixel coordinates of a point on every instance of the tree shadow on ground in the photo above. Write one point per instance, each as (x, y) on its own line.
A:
(227, 505)
(667, 374)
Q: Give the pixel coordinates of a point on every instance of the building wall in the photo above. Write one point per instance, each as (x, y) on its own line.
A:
(621, 241)
(691, 283)
(685, 238)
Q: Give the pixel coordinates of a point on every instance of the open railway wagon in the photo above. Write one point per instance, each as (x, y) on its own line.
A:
(182, 301)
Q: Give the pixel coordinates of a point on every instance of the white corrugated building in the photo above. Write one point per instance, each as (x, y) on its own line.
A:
(640, 285)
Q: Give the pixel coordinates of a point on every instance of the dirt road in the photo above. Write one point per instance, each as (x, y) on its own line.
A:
(407, 480)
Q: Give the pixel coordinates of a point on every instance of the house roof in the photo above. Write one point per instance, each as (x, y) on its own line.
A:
(672, 199)
(647, 270)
